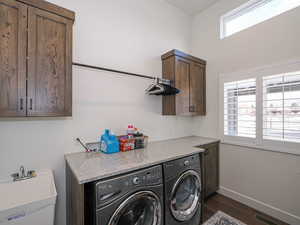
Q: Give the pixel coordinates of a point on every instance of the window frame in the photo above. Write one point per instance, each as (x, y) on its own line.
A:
(235, 13)
(258, 74)
(239, 11)
(229, 137)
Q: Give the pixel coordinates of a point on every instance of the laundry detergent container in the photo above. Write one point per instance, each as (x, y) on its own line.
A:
(28, 202)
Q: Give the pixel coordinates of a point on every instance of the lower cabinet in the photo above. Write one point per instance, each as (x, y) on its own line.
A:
(210, 169)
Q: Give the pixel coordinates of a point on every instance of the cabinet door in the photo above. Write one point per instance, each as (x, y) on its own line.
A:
(211, 169)
(197, 89)
(182, 82)
(49, 64)
(13, 42)
(168, 72)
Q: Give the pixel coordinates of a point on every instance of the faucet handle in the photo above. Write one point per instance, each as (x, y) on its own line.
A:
(15, 176)
(31, 173)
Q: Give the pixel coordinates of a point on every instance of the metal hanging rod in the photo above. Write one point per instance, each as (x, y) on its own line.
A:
(114, 71)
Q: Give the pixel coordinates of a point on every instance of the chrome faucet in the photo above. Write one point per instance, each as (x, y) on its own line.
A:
(22, 174)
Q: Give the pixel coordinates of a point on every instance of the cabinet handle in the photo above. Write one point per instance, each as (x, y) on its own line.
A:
(192, 108)
(30, 104)
(21, 104)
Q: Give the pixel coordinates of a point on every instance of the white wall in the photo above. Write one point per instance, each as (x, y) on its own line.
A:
(129, 35)
(249, 175)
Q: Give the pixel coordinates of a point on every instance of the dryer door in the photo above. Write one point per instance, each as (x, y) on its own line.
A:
(185, 197)
(141, 208)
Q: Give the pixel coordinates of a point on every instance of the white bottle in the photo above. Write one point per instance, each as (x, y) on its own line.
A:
(130, 130)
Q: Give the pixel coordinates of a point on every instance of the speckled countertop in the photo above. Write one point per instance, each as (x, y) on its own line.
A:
(89, 167)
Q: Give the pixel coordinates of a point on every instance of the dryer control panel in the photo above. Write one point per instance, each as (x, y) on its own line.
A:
(175, 167)
(109, 190)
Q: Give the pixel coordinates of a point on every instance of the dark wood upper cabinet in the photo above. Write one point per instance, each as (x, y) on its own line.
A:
(13, 42)
(49, 64)
(35, 59)
(188, 74)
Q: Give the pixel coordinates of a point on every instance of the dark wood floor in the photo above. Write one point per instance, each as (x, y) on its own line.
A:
(237, 210)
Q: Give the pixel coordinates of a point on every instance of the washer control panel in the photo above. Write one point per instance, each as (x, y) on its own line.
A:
(152, 176)
(109, 190)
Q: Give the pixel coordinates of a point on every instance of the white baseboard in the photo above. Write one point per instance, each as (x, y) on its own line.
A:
(261, 206)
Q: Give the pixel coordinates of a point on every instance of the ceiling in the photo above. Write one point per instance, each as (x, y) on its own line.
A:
(192, 6)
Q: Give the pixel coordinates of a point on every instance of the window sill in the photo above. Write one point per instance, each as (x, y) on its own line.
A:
(280, 149)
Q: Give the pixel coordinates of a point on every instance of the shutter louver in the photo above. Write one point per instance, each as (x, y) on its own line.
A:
(281, 107)
(240, 108)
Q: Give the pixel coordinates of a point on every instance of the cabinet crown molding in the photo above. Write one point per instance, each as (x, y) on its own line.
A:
(176, 52)
(50, 7)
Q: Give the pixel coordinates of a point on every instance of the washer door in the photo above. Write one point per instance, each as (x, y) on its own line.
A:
(141, 208)
(185, 196)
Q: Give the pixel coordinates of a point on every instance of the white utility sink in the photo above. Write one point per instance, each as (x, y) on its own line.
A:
(28, 202)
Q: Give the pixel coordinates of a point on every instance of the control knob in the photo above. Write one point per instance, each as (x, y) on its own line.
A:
(136, 181)
(186, 163)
